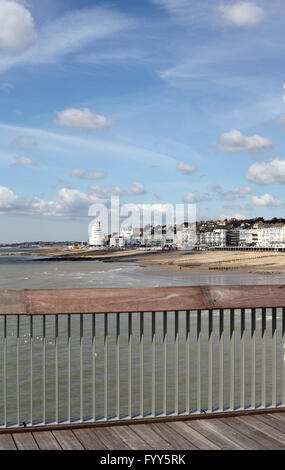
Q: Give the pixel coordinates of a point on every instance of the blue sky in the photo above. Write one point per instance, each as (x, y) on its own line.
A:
(157, 101)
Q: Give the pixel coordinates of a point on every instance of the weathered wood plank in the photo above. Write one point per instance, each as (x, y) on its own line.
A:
(272, 421)
(197, 440)
(46, 440)
(213, 435)
(6, 442)
(89, 439)
(25, 441)
(154, 440)
(234, 435)
(263, 439)
(177, 440)
(110, 439)
(258, 424)
(132, 440)
(67, 440)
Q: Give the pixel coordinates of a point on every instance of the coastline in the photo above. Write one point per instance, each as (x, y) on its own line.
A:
(182, 260)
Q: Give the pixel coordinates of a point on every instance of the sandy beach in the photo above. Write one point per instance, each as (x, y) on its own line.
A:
(266, 262)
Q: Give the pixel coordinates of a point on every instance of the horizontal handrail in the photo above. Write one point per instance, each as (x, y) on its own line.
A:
(135, 300)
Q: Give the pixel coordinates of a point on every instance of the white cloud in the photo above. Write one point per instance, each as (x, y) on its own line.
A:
(137, 188)
(185, 169)
(17, 29)
(68, 34)
(105, 193)
(23, 161)
(232, 216)
(190, 198)
(82, 119)
(230, 194)
(83, 175)
(242, 14)
(6, 86)
(68, 203)
(267, 172)
(25, 141)
(267, 200)
(235, 141)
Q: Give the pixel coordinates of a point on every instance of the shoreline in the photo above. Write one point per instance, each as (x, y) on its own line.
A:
(178, 260)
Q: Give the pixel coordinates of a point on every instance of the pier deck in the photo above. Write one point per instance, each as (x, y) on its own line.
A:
(263, 431)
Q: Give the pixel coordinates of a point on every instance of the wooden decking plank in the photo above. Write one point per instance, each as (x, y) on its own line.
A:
(263, 439)
(195, 437)
(272, 421)
(46, 440)
(233, 434)
(154, 440)
(7, 442)
(110, 439)
(89, 439)
(213, 435)
(67, 440)
(134, 441)
(280, 416)
(263, 427)
(172, 435)
(25, 441)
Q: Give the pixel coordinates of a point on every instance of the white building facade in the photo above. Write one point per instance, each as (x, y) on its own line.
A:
(96, 237)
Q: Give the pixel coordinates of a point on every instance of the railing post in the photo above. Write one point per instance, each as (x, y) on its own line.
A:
(232, 359)
(242, 339)
(263, 358)
(210, 361)
(142, 364)
(221, 365)
(165, 363)
(199, 361)
(253, 358)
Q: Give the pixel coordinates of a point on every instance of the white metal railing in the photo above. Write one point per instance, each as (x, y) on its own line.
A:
(103, 367)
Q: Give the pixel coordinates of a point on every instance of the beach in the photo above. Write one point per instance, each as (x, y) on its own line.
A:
(176, 260)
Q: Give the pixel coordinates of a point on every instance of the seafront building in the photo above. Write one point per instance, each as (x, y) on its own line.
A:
(188, 236)
(96, 237)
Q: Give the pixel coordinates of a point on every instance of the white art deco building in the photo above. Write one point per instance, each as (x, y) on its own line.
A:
(96, 236)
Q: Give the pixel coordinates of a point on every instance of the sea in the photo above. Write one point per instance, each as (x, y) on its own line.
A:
(21, 270)
(36, 365)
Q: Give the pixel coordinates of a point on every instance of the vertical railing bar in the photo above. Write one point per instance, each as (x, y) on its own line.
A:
(56, 369)
(142, 364)
(31, 370)
(81, 369)
(5, 370)
(44, 367)
(221, 364)
(69, 367)
(274, 361)
(253, 356)
(105, 366)
(130, 365)
(198, 361)
(94, 367)
(176, 404)
(232, 359)
(118, 365)
(187, 362)
(263, 358)
(283, 356)
(153, 388)
(242, 370)
(165, 363)
(18, 369)
(210, 361)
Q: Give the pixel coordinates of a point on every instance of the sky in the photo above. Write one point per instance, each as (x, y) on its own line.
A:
(153, 101)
